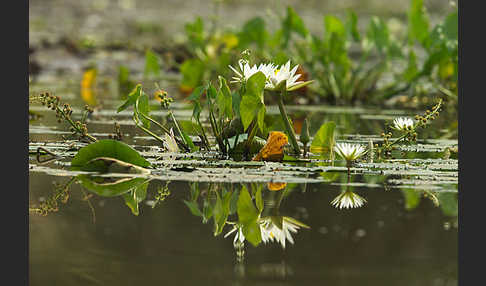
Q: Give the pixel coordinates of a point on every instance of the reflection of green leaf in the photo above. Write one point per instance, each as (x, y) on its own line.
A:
(258, 198)
(448, 203)
(221, 211)
(412, 198)
(251, 104)
(106, 148)
(324, 139)
(194, 208)
(248, 216)
(134, 197)
(108, 187)
(330, 176)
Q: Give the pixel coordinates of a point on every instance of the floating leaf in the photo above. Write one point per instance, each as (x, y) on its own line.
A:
(106, 148)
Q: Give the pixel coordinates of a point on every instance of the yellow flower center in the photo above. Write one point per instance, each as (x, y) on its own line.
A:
(276, 71)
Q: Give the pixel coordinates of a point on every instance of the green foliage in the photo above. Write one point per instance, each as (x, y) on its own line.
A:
(349, 65)
(132, 97)
(152, 64)
(85, 158)
(292, 23)
(418, 22)
(324, 141)
(252, 105)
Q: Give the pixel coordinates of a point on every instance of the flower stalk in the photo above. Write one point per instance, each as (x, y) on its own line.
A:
(285, 118)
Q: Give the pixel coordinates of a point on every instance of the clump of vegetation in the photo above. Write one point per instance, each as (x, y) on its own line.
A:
(349, 66)
(64, 113)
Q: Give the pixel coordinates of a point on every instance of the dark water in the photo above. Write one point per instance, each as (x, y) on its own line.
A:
(380, 243)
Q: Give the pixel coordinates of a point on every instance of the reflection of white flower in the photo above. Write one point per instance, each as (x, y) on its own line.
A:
(271, 231)
(239, 237)
(349, 152)
(403, 123)
(348, 199)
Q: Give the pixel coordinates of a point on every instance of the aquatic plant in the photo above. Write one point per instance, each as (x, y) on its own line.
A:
(350, 66)
(408, 129)
(64, 113)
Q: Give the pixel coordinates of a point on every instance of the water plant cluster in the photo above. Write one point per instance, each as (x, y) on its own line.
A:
(348, 65)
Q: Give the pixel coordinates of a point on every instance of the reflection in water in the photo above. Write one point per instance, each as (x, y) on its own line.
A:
(251, 211)
(279, 228)
(348, 199)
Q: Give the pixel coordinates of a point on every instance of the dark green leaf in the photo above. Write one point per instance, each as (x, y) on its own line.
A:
(224, 98)
(251, 104)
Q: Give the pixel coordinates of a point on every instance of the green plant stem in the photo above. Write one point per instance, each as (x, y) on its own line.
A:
(251, 134)
(288, 127)
(139, 125)
(68, 119)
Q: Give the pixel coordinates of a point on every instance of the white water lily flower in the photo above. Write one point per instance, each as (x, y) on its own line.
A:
(271, 231)
(170, 143)
(278, 75)
(274, 75)
(349, 152)
(403, 123)
(348, 199)
(246, 71)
